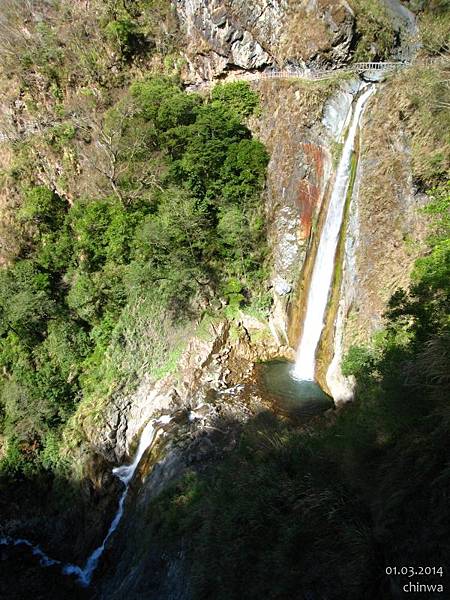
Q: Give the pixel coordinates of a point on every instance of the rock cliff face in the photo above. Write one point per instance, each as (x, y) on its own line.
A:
(239, 35)
(229, 35)
(390, 229)
(404, 22)
(301, 125)
(302, 129)
(385, 233)
(211, 363)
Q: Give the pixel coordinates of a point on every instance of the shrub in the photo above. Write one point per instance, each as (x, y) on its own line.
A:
(376, 34)
(357, 360)
(43, 207)
(238, 96)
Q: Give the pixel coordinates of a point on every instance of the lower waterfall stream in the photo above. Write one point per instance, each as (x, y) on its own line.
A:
(324, 264)
(125, 474)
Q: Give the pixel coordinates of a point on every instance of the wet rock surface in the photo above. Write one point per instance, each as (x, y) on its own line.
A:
(336, 111)
(301, 126)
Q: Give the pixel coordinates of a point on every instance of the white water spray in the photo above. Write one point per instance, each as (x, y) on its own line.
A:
(324, 264)
(125, 474)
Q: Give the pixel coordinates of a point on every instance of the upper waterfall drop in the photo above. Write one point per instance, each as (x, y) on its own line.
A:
(324, 264)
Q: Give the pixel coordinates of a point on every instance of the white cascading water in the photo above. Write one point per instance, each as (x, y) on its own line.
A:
(322, 274)
(125, 474)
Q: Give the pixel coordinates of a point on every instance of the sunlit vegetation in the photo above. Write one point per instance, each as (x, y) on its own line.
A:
(434, 28)
(102, 288)
(417, 97)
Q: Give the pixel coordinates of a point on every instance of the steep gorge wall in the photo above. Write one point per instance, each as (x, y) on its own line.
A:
(302, 126)
(238, 35)
(298, 123)
(385, 230)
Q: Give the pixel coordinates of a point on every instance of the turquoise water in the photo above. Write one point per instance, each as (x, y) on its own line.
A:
(291, 396)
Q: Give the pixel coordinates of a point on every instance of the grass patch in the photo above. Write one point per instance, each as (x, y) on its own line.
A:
(375, 33)
(145, 341)
(415, 98)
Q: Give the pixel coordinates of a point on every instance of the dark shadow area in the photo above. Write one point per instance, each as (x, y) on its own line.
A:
(21, 576)
(67, 520)
(306, 512)
(281, 508)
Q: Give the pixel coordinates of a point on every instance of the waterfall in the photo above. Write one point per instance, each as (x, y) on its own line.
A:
(125, 474)
(324, 264)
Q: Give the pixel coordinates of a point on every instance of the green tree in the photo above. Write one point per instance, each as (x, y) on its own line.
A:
(44, 208)
(172, 248)
(161, 101)
(25, 300)
(238, 96)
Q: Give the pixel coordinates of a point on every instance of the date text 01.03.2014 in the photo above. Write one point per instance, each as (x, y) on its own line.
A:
(415, 571)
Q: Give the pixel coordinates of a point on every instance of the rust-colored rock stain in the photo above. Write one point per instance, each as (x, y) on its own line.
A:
(310, 187)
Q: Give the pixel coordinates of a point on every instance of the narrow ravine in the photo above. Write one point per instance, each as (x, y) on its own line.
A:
(324, 264)
(125, 473)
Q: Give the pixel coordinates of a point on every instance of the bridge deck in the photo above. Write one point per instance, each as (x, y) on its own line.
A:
(314, 75)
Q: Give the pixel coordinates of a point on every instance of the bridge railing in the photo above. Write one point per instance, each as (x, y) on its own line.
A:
(325, 73)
